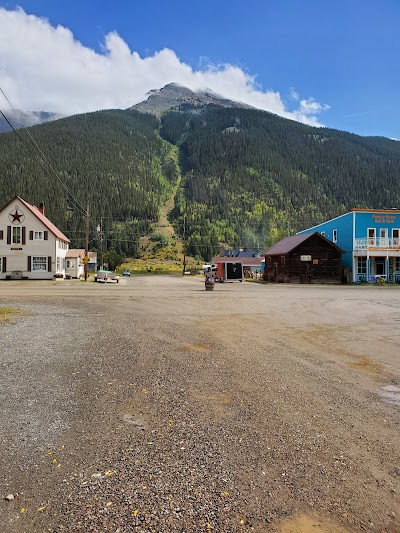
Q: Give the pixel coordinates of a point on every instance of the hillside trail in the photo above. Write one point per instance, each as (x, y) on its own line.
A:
(163, 225)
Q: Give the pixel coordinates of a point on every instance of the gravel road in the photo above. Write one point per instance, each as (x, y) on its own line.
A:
(153, 405)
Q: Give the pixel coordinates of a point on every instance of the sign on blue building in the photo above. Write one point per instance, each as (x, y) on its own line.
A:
(370, 239)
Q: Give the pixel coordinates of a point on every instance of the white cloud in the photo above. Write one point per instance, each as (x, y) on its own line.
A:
(293, 94)
(49, 70)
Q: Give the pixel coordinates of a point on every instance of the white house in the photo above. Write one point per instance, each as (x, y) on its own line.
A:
(31, 247)
(75, 263)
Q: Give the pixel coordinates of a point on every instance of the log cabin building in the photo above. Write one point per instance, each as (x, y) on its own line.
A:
(304, 258)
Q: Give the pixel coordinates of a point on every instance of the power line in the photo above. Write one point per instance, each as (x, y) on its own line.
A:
(77, 204)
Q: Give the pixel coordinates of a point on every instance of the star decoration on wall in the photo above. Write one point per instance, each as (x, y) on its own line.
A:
(16, 217)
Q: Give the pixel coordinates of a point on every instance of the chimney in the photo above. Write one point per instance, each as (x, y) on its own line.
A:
(41, 207)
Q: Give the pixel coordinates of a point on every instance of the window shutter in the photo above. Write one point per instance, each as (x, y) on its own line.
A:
(23, 235)
(4, 264)
(49, 263)
(29, 263)
(8, 234)
(1, 235)
(31, 235)
(46, 235)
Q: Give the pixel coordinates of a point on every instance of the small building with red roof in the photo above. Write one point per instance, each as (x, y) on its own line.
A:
(75, 263)
(31, 246)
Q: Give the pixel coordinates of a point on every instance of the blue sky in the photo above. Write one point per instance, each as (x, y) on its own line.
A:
(340, 58)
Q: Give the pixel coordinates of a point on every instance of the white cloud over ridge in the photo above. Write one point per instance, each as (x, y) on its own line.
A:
(44, 68)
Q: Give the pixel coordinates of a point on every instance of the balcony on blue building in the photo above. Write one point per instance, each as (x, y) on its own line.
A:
(377, 243)
(377, 258)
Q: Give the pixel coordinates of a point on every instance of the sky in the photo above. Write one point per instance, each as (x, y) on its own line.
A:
(332, 63)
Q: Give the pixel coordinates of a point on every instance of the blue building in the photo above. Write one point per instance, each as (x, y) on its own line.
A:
(370, 239)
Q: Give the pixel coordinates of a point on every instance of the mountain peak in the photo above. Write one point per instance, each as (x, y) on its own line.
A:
(173, 95)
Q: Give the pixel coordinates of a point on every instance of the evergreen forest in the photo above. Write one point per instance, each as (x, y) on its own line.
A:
(246, 177)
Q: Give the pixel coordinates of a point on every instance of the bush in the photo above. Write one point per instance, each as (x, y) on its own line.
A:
(159, 237)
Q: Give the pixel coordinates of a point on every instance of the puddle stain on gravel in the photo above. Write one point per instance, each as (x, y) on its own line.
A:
(390, 394)
(327, 336)
(310, 524)
(214, 404)
(137, 421)
(194, 347)
(365, 364)
(219, 399)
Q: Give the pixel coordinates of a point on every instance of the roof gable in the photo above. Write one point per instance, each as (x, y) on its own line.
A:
(288, 244)
(72, 252)
(34, 210)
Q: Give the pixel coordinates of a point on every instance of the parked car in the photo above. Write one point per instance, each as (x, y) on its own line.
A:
(126, 273)
(106, 276)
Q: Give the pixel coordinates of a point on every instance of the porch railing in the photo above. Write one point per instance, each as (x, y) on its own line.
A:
(376, 242)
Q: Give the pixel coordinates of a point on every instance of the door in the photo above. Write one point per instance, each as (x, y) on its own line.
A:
(371, 236)
(379, 266)
(383, 234)
(396, 237)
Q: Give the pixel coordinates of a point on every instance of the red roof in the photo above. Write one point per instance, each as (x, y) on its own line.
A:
(49, 225)
(76, 253)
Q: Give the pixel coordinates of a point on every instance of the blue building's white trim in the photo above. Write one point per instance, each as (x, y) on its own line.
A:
(317, 226)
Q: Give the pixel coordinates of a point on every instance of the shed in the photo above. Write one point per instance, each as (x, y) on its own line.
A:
(75, 265)
(304, 258)
(252, 266)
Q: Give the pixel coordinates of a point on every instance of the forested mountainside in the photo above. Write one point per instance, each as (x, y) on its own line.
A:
(249, 177)
(253, 177)
(115, 161)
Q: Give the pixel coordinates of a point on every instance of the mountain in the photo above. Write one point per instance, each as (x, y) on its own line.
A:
(251, 178)
(239, 176)
(24, 119)
(174, 95)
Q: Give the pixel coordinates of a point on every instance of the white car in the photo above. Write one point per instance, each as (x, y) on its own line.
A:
(106, 276)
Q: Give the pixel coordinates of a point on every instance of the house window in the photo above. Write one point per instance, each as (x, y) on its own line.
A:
(334, 237)
(70, 263)
(39, 263)
(1, 269)
(361, 265)
(269, 260)
(38, 235)
(282, 260)
(16, 235)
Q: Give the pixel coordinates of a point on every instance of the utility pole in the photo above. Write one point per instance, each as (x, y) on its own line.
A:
(101, 242)
(86, 260)
(184, 244)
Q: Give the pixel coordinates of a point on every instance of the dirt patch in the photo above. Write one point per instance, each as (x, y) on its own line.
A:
(310, 524)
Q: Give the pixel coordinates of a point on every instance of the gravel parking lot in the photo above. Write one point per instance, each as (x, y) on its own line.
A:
(153, 405)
